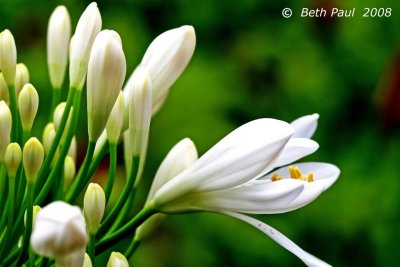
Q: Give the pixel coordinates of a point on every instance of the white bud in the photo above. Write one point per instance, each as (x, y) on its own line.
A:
(89, 25)
(59, 231)
(116, 119)
(28, 104)
(12, 159)
(94, 204)
(106, 74)
(21, 77)
(58, 114)
(166, 58)
(49, 133)
(69, 171)
(8, 56)
(32, 158)
(5, 128)
(58, 37)
(87, 262)
(3, 89)
(73, 149)
(117, 260)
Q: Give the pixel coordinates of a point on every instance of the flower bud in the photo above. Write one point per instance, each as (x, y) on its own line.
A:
(140, 111)
(5, 128)
(8, 57)
(89, 25)
(73, 149)
(21, 77)
(106, 74)
(94, 204)
(59, 231)
(12, 159)
(3, 89)
(28, 103)
(87, 262)
(49, 133)
(58, 114)
(36, 209)
(116, 119)
(69, 171)
(166, 58)
(32, 157)
(117, 260)
(58, 36)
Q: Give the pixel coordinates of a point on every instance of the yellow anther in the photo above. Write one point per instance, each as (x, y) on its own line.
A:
(310, 177)
(295, 173)
(298, 172)
(275, 177)
(292, 172)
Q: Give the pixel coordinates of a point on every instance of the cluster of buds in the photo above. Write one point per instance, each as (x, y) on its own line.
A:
(232, 178)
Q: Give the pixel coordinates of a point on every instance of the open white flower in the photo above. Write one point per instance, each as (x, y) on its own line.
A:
(232, 177)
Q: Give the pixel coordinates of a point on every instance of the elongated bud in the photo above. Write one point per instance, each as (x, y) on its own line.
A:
(8, 57)
(117, 260)
(28, 103)
(140, 111)
(57, 116)
(49, 133)
(94, 204)
(12, 159)
(73, 149)
(36, 209)
(5, 128)
(89, 25)
(106, 74)
(116, 119)
(21, 77)
(33, 155)
(3, 89)
(69, 171)
(166, 58)
(58, 37)
(87, 262)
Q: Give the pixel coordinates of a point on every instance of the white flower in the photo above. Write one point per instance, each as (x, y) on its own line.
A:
(59, 231)
(231, 177)
(89, 25)
(106, 74)
(58, 37)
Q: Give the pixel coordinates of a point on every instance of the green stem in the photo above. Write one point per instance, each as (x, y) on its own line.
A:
(126, 208)
(21, 187)
(128, 229)
(81, 180)
(92, 247)
(56, 96)
(131, 249)
(14, 113)
(112, 172)
(10, 221)
(28, 226)
(25, 135)
(63, 153)
(49, 157)
(108, 221)
(3, 190)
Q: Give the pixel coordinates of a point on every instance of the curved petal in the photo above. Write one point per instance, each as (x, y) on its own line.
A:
(325, 175)
(257, 197)
(279, 238)
(305, 126)
(296, 149)
(233, 161)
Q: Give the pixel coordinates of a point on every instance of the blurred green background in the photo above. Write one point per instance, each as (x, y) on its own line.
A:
(250, 62)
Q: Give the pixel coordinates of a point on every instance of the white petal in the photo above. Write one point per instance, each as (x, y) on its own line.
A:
(279, 238)
(296, 149)
(305, 126)
(235, 160)
(325, 175)
(258, 197)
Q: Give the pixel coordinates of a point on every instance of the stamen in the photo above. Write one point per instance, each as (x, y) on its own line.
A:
(310, 177)
(292, 172)
(295, 173)
(275, 177)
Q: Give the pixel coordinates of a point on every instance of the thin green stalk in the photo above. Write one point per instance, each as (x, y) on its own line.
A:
(63, 153)
(25, 136)
(80, 181)
(126, 208)
(131, 249)
(11, 257)
(21, 187)
(28, 226)
(10, 220)
(128, 229)
(112, 171)
(49, 157)
(3, 189)
(14, 113)
(92, 247)
(108, 221)
(55, 99)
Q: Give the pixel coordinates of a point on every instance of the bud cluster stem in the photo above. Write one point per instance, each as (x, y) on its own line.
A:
(111, 174)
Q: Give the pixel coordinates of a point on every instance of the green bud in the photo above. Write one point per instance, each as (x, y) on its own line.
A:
(8, 56)
(5, 128)
(117, 260)
(12, 159)
(3, 88)
(28, 103)
(49, 133)
(87, 261)
(116, 119)
(21, 77)
(94, 204)
(36, 209)
(69, 171)
(32, 157)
